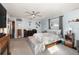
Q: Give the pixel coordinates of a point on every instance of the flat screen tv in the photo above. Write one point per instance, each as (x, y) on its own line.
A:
(2, 16)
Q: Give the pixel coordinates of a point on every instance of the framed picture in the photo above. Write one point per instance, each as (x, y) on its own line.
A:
(37, 24)
(29, 23)
(53, 23)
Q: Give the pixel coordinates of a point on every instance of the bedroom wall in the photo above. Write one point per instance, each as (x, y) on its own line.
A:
(74, 26)
(44, 24)
(26, 24)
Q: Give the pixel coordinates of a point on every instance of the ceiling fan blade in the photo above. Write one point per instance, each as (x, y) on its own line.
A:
(32, 18)
(27, 15)
(37, 13)
(28, 12)
(33, 12)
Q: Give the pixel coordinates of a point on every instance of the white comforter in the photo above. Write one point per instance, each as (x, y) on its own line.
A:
(50, 37)
(39, 40)
(46, 37)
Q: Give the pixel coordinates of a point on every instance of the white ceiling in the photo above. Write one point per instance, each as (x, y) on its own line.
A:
(47, 10)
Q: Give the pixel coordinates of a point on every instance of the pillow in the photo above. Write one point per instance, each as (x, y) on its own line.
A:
(38, 36)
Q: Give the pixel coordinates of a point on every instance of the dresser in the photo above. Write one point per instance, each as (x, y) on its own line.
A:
(69, 40)
(4, 44)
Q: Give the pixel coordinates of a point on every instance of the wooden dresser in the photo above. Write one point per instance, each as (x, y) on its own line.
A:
(70, 41)
(4, 44)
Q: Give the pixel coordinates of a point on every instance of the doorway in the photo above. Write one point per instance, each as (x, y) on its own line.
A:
(19, 33)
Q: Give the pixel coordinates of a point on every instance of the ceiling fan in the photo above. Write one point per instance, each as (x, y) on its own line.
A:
(33, 14)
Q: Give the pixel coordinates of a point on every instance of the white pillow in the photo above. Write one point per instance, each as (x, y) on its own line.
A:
(38, 36)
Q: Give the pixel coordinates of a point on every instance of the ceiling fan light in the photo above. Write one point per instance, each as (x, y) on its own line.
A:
(33, 15)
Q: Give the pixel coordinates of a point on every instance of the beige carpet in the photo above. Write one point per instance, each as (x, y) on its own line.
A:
(22, 47)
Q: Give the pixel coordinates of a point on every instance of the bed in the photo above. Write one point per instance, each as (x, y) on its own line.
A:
(39, 40)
